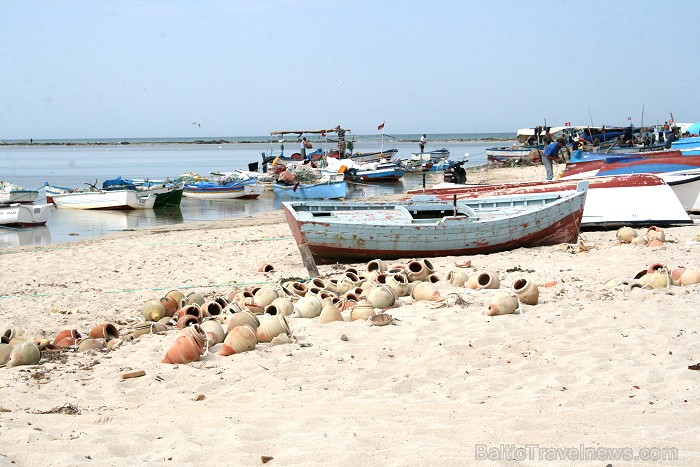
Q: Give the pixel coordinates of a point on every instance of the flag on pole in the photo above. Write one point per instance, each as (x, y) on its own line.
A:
(381, 126)
(629, 119)
(567, 124)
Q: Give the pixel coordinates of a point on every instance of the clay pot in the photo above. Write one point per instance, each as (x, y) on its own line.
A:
(195, 297)
(398, 283)
(434, 278)
(24, 353)
(298, 289)
(656, 232)
(425, 291)
(170, 305)
(241, 319)
(696, 237)
(654, 242)
(187, 349)
(638, 241)
(375, 266)
(344, 284)
(280, 306)
(67, 338)
(457, 278)
(676, 274)
(211, 308)
(90, 344)
(625, 234)
(149, 328)
(417, 271)
(10, 333)
(5, 350)
(317, 282)
(192, 309)
(656, 280)
(483, 280)
(502, 303)
(153, 309)
(266, 267)
(382, 297)
(265, 295)
(690, 276)
(178, 296)
(223, 303)
(105, 331)
(655, 267)
(187, 320)
(330, 313)
(238, 340)
(307, 307)
(272, 327)
(526, 290)
(350, 295)
(215, 333)
(362, 311)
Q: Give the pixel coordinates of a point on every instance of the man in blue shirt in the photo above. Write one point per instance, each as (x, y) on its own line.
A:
(551, 154)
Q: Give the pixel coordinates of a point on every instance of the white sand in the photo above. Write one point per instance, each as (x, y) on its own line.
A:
(588, 366)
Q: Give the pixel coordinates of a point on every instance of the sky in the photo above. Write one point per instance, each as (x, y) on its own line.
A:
(154, 68)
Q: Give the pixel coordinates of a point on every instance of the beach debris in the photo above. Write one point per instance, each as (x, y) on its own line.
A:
(266, 267)
(266, 459)
(695, 367)
(465, 264)
(65, 409)
(381, 319)
(133, 374)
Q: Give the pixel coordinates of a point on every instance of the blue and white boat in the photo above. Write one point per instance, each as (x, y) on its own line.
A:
(329, 186)
(224, 188)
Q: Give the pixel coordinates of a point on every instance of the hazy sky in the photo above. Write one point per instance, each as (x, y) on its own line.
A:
(108, 68)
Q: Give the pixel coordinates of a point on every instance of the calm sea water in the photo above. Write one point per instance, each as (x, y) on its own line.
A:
(76, 165)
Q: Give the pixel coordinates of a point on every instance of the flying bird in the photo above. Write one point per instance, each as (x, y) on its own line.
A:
(195, 123)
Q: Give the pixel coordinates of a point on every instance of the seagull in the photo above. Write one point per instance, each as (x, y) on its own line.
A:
(195, 123)
(341, 81)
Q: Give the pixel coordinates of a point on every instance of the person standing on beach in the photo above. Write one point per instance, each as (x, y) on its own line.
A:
(421, 143)
(551, 154)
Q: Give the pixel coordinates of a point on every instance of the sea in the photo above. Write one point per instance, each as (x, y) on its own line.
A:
(79, 162)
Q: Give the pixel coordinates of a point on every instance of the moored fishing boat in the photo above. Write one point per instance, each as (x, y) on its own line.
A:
(12, 193)
(93, 198)
(167, 192)
(23, 215)
(426, 226)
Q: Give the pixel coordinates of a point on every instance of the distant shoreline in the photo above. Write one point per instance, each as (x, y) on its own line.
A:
(218, 141)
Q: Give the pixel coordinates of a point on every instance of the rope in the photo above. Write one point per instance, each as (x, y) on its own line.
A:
(63, 294)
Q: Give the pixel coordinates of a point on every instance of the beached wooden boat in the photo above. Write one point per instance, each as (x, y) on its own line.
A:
(426, 226)
(25, 214)
(622, 200)
(376, 156)
(97, 199)
(11, 193)
(652, 162)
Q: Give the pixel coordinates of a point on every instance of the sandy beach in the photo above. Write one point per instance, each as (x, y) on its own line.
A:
(593, 367)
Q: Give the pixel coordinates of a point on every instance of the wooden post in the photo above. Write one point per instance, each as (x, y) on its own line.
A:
(308, 259)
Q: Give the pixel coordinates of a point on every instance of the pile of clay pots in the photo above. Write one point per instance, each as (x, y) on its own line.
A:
(16, 348)
(653, 237)
(658, 276)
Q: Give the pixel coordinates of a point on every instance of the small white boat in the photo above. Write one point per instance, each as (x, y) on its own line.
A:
(25, 214)
(100, 199)
(11, 193)
(686, 186)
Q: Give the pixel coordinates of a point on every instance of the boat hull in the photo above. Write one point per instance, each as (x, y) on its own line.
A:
(18, 196)
(333, 190)
(353, 232)
(640, 199)
(103, 199)
(24, 215)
